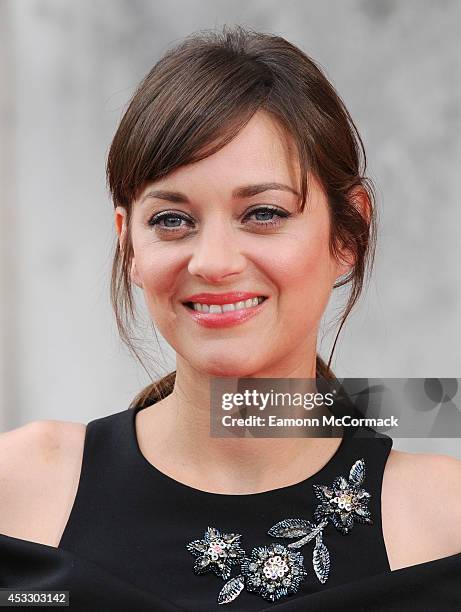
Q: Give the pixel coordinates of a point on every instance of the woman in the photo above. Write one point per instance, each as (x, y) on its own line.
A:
(238, 177)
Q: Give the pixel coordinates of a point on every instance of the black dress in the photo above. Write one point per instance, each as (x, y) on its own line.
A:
(137, 539)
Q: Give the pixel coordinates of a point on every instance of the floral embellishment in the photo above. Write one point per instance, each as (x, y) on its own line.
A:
(294, 528)
(273, 571)
(345, 502)
(216, 552)
(342, 504)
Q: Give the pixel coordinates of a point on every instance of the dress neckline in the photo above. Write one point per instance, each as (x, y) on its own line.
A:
(334, 461)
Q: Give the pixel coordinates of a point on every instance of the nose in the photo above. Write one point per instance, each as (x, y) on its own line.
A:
(216, 253)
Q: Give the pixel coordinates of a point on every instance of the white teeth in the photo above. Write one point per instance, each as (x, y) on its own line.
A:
(216, 308)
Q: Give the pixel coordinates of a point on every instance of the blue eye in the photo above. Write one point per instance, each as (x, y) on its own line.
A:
(269, 210)
(266, 211)
(155, 220)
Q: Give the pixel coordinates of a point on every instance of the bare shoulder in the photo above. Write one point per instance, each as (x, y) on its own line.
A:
(40, 465)
(436, 479)
(43, 440)
(421, 504)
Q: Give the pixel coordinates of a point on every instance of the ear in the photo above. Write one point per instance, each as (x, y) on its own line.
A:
(134, 274)
(359, 198)
(121, 228)
(120, 224)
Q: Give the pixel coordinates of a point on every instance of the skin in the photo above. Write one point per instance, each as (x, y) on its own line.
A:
(223, 248)
(40, 462)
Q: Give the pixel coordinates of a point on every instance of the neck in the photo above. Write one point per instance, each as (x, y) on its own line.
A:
(175, 436)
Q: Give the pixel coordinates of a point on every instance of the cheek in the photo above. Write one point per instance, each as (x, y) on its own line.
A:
(302, 271)
(157, 271)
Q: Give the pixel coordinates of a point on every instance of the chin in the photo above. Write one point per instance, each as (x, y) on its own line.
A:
(235, 368)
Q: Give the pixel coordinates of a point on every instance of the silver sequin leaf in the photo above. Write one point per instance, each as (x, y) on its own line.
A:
(212, 532)
(201, 564)
(230, 538)
(317, 529)
(291, 528)
(231, 590)
(197, 547)
(363, 515)
(357, 473)
(340, 483)
(322, 491)
(321, 561)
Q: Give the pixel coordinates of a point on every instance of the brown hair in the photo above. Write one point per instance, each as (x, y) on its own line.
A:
(194, 101)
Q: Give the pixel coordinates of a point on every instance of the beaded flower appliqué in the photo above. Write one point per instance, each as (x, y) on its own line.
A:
(341, 504)
(216, 552)
(275, 571)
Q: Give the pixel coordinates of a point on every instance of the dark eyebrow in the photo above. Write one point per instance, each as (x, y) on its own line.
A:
(250, 190)
(246, 191)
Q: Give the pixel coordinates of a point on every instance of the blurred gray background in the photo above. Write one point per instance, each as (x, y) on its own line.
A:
(67, 70)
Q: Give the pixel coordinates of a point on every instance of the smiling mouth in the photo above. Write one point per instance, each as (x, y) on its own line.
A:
(223, 308)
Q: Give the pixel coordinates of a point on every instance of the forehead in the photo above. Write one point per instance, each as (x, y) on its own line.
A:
(261, 152)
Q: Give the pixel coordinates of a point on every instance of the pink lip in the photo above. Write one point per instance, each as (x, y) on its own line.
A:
(225, 319)
(221, 298)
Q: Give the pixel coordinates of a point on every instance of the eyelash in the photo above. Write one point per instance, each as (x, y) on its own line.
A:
(281, 214)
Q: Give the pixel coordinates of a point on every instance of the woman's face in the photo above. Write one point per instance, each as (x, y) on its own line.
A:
(218, 238)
